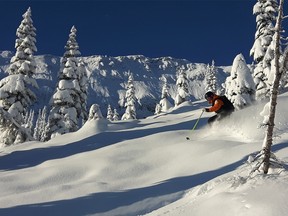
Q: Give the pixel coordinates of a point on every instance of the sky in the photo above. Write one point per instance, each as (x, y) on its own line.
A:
(199, 31)
(148, 167)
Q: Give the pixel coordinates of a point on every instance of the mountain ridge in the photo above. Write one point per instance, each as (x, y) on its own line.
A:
(108, 75)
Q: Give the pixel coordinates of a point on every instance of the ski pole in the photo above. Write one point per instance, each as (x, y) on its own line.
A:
(196, 123)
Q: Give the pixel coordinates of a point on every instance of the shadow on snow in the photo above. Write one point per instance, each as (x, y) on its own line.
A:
(99, 203)
(33, 157)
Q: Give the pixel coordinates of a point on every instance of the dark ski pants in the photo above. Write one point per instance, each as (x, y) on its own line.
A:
(218, 117)
(212, 119)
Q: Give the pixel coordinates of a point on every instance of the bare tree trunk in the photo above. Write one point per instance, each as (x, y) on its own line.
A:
(273, 99)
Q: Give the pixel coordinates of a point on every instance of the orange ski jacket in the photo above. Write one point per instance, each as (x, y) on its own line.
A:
(216, 102)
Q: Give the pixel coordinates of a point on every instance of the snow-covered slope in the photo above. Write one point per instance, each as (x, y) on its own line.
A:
(148, 167)
(108, 76)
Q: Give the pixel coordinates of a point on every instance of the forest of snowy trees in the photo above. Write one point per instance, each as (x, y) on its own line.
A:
(67, 109)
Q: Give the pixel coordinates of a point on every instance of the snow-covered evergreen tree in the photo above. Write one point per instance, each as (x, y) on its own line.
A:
(210, 77)
(72, 53)
(182, 88)
(240, 87)
(265, 16)
(109, 113)
(284, 82)
(269, 64)
(130, 112)
(78, 71)
(284, 78)
(23, 61)
(116, 115)
(11, 131)
(37, 129)
(45, 136)
(28, 120)
(95, 112)
(16, 90)
(41, 122)
(66, 102)
(83, 83)
(164, 103)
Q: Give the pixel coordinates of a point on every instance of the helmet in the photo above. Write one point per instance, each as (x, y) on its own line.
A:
(209, 94)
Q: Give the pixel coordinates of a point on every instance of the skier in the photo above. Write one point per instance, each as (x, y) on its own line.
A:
(219, 104)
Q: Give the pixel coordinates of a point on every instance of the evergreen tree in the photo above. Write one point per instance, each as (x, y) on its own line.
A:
(16, 90)
(182, 88)
(164, 103)
(240, 87)
(265, 16)
(130, 112)
(11, 131)
(28, 120)
(83, 83)
(95, 112)
(68, 100)
(210, 77)
(41, 122)
(109, 113)
(79, 74)
(284, 82)
(46, 135)
(269, 63)
(116, 115)
(44, 124)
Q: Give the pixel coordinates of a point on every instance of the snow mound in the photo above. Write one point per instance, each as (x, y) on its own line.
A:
(235, 193)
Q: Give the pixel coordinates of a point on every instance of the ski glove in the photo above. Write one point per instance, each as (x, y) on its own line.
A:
(205, 109)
